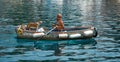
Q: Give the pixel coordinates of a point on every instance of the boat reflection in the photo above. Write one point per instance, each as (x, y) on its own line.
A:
(57, 46)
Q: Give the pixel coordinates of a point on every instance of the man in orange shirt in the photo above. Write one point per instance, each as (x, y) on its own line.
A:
(60, 23)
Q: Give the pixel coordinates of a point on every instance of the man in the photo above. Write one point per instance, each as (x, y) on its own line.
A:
(60, 24)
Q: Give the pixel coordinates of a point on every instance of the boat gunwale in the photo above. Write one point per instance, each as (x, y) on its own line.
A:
(69, 31)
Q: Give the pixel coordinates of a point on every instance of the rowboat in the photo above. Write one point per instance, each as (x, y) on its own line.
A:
(77, 32)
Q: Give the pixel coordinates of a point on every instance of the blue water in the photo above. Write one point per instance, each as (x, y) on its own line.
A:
(102, 14)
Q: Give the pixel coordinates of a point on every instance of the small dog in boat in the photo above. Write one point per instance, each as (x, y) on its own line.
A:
(33, 25)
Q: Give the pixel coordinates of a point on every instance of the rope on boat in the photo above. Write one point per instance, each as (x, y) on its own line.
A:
(19, 31)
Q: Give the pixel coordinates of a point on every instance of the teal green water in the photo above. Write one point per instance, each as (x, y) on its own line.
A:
(102, 14)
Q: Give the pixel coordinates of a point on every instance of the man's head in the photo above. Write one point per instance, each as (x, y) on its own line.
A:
(59, 16)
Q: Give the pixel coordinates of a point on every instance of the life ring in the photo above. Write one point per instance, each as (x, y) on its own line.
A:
(19, 31)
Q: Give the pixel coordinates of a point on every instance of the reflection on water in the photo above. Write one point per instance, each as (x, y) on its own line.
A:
(102, 14)
(55, 45)
(47, 50)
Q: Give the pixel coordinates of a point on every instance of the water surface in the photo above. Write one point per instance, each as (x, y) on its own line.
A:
(102, 14)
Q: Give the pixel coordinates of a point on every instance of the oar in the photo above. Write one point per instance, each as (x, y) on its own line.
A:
(50, 31)
(45, 34)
